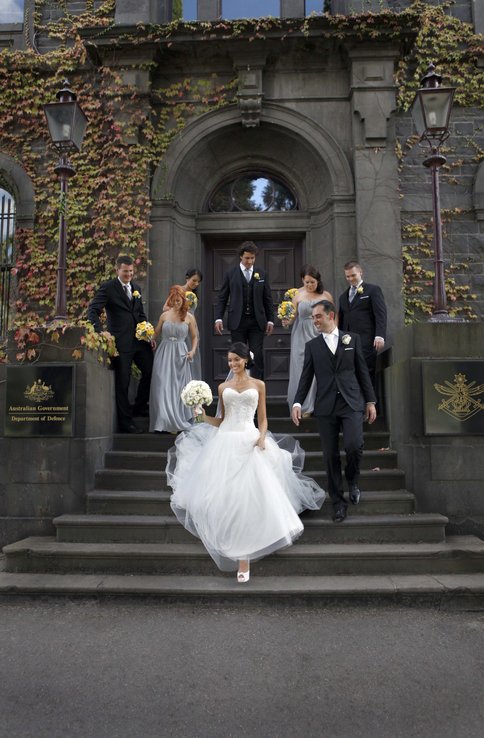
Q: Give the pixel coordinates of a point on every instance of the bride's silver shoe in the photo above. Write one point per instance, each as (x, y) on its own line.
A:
(243, 576)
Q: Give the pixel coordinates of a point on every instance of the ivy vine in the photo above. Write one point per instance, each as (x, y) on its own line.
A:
(108, 207)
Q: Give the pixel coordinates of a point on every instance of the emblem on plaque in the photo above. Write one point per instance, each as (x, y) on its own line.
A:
(461, 397)
(38, 391)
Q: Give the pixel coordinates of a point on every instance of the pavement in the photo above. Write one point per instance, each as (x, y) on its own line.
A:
(145, 669)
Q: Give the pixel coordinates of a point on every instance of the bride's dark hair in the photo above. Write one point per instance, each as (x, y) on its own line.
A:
(242, 350)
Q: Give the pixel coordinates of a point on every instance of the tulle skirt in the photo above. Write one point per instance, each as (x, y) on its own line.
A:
(241, 501)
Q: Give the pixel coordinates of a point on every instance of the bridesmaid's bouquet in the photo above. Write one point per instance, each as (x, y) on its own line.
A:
(144, 331)
(195, 394)
(286, 311)
(192, 300)
(289, 294)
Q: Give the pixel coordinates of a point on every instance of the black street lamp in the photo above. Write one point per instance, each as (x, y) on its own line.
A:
(431, 110)
(67, 124)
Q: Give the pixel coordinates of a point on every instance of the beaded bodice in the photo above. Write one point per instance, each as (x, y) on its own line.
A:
(239, 408)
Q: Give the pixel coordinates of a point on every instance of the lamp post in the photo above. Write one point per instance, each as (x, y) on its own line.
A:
(67, 124)
(431, 114)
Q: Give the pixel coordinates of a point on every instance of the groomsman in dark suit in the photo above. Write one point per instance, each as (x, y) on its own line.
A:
(250, 313)
(344, 398)
(121, 299)
(362, 310)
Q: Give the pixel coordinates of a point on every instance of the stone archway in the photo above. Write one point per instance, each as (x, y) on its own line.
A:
(214, 146)
(20, 185)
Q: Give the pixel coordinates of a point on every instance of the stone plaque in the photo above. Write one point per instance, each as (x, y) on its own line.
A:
(39, 400)
(453, 397)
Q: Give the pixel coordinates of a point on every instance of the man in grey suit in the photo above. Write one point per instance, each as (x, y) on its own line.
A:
(344, 398)
(250, 315)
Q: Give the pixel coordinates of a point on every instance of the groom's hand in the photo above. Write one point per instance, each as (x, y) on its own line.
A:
(219, 326)
(370, 414)
(296, 414)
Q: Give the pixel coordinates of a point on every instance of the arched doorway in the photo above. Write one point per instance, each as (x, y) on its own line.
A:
(214, 151)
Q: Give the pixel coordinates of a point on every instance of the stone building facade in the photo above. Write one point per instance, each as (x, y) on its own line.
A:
(314, 113)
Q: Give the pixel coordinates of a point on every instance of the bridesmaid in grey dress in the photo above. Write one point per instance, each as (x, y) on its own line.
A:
(172, 365)
(193, 279)
(303, 330)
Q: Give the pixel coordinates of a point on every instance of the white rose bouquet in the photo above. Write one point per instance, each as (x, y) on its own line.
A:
(195, 394)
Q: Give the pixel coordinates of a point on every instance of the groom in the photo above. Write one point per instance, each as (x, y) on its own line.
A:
(344, 397)
(121, 299)
(250, 306)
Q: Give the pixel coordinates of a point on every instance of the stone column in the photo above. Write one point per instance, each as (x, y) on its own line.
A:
(292, 9)
(378, 227)
(209, 10)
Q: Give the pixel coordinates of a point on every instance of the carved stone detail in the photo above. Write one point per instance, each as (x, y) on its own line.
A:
(250, 96)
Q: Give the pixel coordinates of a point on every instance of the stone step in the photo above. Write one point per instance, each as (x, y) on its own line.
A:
(141, 479)
(445, 591)
(166, 529)
(284, 424)
(455, 555)
(156, 460)
(149, 502)
(309, 440)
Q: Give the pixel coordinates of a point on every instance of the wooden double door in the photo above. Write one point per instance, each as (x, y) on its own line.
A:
(281, 259)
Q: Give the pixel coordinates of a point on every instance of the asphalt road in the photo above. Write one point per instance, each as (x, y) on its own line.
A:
(146, 670)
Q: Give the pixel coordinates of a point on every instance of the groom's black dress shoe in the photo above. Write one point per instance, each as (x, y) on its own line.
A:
(355, 494)
(339, 513)
(131, 428)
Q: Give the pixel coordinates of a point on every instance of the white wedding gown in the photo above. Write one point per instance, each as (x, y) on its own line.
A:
(241, 501)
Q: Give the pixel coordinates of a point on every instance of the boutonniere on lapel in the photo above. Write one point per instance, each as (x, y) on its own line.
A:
(136, 294)
(360, 290)
(346, 339)
(256, 276)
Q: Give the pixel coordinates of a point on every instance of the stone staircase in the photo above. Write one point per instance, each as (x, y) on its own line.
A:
(129, 543)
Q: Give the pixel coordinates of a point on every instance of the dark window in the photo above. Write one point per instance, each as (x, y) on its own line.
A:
(7, 226)
(252, 192)
(11, 11)
(7, 230)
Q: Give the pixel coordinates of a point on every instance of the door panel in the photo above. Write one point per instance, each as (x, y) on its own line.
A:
(282, 260)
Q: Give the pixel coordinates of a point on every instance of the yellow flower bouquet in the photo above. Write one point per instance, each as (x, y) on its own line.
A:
(286, 311)
(144, 331)
(289, 294)
(191, 299)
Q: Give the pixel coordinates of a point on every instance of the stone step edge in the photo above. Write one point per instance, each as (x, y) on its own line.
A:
(111, 471)
(48, 546)
(164, 495)
(156, 454)
(468, 586)
(147, 521)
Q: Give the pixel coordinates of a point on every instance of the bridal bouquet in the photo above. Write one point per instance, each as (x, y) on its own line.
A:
(195, 394)
(191, 299)
(144, 331)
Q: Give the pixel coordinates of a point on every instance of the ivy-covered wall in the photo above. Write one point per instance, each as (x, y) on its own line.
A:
(130, 129)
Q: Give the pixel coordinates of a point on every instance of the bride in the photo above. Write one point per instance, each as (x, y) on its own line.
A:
(248, 491)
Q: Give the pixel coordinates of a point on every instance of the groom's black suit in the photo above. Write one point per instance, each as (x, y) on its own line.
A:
(343, 387)
(123, 315)
(250, 308)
